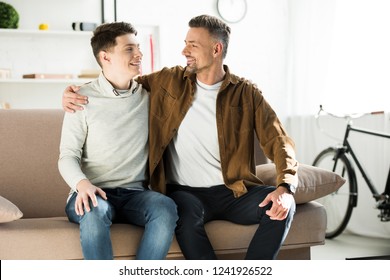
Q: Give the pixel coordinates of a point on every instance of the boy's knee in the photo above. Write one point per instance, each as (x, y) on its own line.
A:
(102, 212)
(168, 209)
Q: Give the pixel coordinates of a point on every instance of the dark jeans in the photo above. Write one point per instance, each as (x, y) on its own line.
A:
(197, 206)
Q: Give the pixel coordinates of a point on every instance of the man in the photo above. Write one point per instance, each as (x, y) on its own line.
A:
(202, 125)
(104, 153)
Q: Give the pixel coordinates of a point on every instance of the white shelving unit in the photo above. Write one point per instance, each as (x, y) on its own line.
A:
(55, 52)
(36, 51)
(26, 32)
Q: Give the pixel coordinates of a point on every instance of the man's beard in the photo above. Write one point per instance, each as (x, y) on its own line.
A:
(191, 69)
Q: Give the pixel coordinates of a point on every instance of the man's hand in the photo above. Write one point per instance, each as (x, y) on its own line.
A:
(87, 191)
(281, 203)
(72, 101)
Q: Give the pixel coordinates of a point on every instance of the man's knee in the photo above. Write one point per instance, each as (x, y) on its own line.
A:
(187, 203)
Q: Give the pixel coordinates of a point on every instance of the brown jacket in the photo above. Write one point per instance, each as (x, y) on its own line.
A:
(241, 112)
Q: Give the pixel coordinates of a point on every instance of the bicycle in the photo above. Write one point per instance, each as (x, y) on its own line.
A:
(342, 160)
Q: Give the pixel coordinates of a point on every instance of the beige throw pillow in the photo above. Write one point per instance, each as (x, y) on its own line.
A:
(313, 182)
(8, 211)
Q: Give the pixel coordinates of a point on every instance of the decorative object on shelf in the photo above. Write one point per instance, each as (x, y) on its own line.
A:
(47, 76)
(5, 73)
(232, 10)
(84, 26)
(109, 11)
(9, 17)
(151, 44)
(5, 105)
(43, 26)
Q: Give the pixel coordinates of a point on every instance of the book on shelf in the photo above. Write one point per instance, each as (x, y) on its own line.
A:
(89, 73)
(87, 76)
(47, 76)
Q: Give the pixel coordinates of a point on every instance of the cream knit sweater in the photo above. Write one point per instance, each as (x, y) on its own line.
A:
(107, 142)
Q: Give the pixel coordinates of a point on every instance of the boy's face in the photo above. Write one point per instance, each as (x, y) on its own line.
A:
(125, 58)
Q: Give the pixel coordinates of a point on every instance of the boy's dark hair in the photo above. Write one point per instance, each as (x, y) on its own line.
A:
(216, 27)
(104, 36)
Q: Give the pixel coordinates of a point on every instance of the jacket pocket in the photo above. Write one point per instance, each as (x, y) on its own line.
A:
(161, 104)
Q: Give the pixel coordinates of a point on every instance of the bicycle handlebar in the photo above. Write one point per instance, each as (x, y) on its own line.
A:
(347, 116)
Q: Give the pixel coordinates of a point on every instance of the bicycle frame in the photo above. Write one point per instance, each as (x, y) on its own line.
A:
(342, 160)
(349, 150)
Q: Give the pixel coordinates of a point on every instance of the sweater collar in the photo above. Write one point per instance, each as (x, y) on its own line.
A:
(109, 91)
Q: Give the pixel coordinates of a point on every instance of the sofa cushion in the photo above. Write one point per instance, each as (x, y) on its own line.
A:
(8, 211)
(313, 182)
(57, 238)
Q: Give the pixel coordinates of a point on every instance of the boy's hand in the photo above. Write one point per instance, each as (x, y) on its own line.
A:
(86, 192)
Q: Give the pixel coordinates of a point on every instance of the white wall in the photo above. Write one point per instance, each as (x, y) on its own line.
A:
(257, 48)
(339, 55)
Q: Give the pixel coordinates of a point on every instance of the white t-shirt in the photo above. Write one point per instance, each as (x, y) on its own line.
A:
(194, 152)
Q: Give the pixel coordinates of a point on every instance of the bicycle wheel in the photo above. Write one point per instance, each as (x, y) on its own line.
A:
(338, 205)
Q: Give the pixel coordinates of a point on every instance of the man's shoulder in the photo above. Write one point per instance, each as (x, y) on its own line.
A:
(174, 70)
(167, 76)
(244, 82)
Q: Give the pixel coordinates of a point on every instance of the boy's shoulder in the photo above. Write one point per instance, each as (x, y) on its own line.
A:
(90, 89)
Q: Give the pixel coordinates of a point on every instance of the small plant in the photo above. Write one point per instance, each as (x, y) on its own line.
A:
(9, 17)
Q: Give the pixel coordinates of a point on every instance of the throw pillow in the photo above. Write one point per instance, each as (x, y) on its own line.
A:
(8, 211)
(313, 182)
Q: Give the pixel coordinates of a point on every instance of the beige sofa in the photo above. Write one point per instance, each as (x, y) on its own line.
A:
(30, 182)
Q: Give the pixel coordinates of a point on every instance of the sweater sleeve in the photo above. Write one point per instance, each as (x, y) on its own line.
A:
(74, 131)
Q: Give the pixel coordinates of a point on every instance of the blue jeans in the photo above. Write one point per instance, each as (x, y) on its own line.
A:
(152, 210)
(197, 206)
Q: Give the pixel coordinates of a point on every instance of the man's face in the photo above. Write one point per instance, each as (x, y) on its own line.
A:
(199, 50)
(126, 56)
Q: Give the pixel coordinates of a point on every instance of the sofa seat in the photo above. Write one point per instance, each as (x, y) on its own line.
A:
(57, 238)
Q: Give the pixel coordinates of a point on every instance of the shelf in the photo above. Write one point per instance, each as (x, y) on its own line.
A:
(45, 81)
(26, 32)
(42, 51)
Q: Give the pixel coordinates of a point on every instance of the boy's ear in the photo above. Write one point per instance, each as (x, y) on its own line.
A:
(104, 57)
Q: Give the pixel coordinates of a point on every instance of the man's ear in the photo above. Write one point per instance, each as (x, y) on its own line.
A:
(218, 48)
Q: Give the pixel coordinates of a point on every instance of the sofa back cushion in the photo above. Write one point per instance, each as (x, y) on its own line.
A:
(29, 150)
